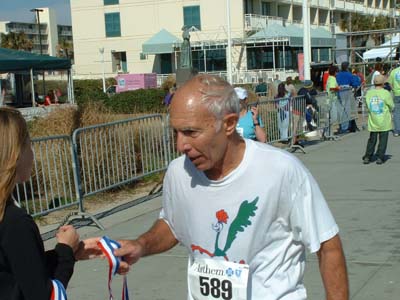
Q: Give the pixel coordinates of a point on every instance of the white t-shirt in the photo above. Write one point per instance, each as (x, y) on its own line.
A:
(264, 213)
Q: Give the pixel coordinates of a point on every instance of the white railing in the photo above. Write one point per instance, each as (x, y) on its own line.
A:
(324, 3)
(243, 77)
(254, 22)
(258, 22)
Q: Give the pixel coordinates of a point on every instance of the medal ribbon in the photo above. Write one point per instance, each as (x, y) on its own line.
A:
(58, 292)
(108, 246)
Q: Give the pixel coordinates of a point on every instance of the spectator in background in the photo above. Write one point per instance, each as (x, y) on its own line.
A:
(272, 90)
(345, 79)
(394, 81)
(360, 80)
(379, 103)
(309, 92)
(170, 93)
(277, 81)
(331, 83)
(261, 88)
(290, 87)
(283, 111)
(250, 125)
(377, 71)
(325, 76)
(48, 98)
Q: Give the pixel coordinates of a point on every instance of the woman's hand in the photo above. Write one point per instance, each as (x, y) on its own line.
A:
(69, 236)
(254, 112)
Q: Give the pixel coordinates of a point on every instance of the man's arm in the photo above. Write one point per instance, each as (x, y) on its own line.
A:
(157, 240)
(332, 266)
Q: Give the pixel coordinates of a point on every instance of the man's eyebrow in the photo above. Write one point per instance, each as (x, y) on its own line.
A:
(188, 128)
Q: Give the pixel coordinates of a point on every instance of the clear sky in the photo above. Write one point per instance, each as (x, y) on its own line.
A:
(18, 10)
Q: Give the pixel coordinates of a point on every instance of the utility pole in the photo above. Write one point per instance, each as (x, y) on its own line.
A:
(306, 40)
(37, 11)
(229, 56)
(101, 50)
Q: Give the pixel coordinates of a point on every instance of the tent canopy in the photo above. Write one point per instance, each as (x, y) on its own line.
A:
(161, 42)
(384, 52)
(13, 61)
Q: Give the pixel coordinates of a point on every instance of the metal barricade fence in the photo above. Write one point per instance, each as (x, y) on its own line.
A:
(119, 152)
(275, 115)
(51, 185)
(102, 157)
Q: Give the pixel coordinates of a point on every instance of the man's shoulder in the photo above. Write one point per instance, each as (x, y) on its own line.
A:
(266, 152)
(177, 162)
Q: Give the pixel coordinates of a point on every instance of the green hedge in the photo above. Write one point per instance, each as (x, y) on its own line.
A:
(138, 101)
(91, 90)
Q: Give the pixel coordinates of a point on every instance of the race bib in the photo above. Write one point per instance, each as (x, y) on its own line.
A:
(217, 279)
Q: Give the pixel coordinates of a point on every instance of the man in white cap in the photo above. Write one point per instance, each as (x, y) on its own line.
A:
(250, 125)
(379, 103)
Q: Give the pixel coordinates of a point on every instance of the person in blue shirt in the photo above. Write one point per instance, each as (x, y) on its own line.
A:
(346, 79)
(250, 125)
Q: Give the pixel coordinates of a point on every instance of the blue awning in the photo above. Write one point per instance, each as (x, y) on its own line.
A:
(161, 42)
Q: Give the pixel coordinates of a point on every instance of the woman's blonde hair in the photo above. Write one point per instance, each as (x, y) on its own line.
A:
(13, 136)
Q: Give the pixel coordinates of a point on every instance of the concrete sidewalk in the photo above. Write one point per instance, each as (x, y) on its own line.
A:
(365, 200)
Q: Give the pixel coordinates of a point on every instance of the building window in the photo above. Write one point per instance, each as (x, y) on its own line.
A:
(111, 2)
(113, 25)
(324, 54)
(191, 16)
(266, 8)
(119, 62)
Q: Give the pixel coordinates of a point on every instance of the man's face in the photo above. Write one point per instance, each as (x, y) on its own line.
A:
(200, 136)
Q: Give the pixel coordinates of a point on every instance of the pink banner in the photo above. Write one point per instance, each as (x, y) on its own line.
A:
(129, 82)
(300, 60)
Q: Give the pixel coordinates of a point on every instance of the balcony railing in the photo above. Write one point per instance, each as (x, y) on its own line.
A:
(258, 22)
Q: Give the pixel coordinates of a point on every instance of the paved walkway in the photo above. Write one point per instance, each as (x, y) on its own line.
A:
(365, 200)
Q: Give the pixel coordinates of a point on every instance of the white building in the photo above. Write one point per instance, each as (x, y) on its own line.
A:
(144, 36)
(51, 33)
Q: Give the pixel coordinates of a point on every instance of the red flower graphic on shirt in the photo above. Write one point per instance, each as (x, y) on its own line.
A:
(240, 222)
(222, 216)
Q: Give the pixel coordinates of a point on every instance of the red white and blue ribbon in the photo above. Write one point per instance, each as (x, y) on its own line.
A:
(108, 246)
(58, 292)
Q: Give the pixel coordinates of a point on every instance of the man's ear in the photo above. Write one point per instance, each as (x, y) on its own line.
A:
(230, 122)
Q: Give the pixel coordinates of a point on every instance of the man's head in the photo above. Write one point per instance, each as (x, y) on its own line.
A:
(204, 115)
(308, 84)
(289, 80)
(332, 70)
(345, 66)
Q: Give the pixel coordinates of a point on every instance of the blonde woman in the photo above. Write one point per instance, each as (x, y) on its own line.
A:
(27, 272)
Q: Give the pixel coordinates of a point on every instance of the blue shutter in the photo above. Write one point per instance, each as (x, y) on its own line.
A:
(111, 2)
(113, 26)
(191, 16)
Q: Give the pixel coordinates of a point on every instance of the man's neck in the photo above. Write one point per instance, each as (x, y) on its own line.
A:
(232, 158)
